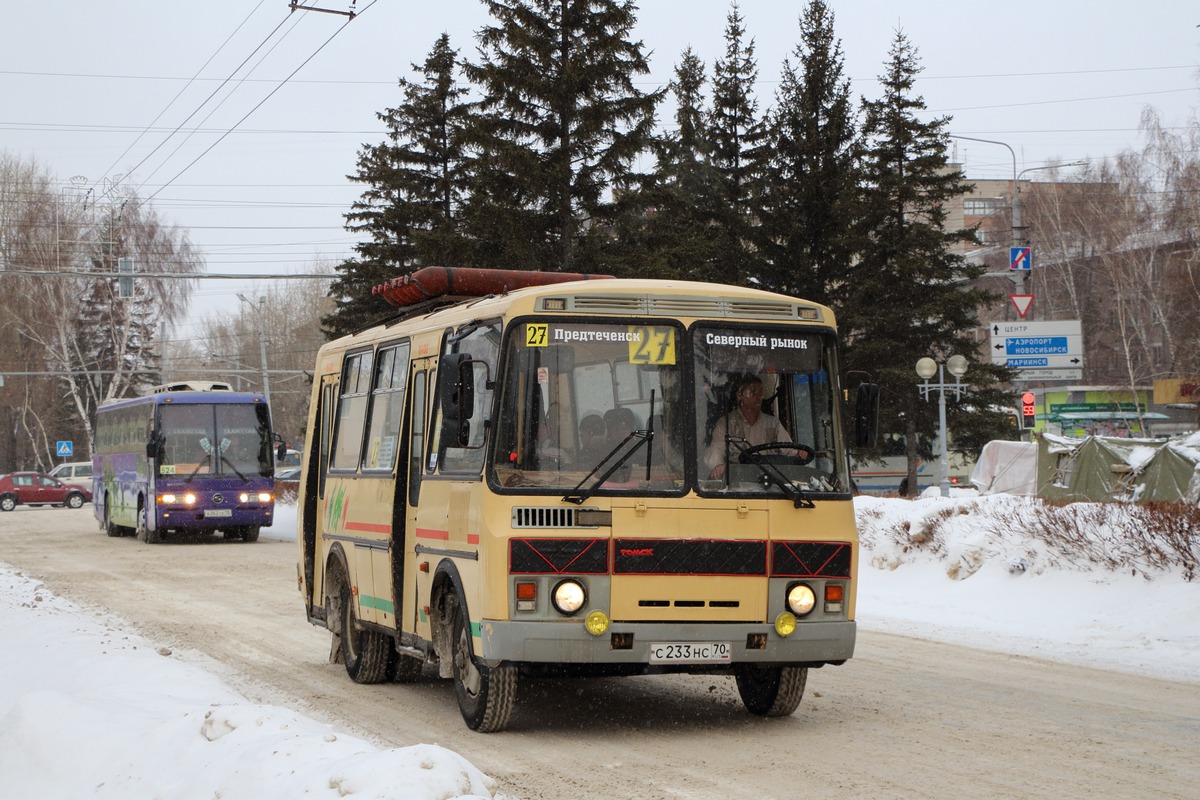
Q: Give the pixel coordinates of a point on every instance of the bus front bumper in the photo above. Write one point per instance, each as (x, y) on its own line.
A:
(631, 642)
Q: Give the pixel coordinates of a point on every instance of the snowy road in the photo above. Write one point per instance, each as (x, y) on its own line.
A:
(904, 718)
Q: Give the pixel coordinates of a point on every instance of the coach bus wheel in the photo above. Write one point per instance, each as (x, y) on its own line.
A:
(365, 652)
(109, 527)
(144, 534)
(771, 691)
(250, 533)
(486, 695)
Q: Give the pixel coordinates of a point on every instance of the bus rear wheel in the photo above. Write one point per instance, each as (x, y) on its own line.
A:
(109, 528)
(365, 652)
(771, 691)
(486, 695)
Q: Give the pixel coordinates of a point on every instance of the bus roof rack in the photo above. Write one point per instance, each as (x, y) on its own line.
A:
(452, 284)
(193, 386)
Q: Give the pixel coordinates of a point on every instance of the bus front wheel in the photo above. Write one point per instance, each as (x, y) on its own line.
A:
(365, 652)
(486, 695)
(771, 691)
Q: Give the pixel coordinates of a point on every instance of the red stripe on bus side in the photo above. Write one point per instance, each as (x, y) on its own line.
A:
(368, 527)
(430, 533)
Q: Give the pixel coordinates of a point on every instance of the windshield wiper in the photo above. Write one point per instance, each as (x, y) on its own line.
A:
(769, 471)
(229, 464)
(207, 457)
(644, 436)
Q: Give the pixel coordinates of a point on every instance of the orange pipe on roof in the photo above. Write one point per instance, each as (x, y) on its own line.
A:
(432, 282)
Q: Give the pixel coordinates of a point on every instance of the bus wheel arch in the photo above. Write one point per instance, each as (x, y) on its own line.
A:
(365, 652)
(486, 693)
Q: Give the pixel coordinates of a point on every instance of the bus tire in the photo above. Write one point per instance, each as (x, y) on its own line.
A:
(109, 528)
(250, 533)
(770, 691)
(144, 534)
(486, 695)
(365, 652)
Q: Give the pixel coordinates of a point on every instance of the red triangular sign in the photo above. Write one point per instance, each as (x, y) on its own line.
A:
(1022, 302)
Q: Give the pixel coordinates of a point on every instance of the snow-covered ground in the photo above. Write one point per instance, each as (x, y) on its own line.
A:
(88, 710)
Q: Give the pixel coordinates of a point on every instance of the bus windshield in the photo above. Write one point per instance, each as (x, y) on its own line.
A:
(766, 418)
(604, 407)
(225, 439)
(598, 403)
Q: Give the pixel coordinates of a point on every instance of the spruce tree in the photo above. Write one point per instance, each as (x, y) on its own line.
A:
(738, 137)
(416, 180)
(666, 227)
(560, 125)
(811, 176)
(911, 293)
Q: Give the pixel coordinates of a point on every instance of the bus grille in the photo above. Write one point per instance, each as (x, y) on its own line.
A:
(543, 517)
(556, 556)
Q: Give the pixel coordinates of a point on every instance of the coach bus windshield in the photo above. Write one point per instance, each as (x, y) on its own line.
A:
(596, 403)
(229, 439)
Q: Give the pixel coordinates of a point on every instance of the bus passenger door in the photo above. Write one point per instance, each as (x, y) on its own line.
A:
(314, 496)
(415, 584)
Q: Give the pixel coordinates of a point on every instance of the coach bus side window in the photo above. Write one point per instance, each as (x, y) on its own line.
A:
(387, 408)
(483, 346)
(352, 411)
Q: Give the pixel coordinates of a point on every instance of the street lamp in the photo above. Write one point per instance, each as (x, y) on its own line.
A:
(262, 341)
(926, 369)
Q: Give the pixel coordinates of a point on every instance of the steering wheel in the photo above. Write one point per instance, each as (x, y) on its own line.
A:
(752, 454)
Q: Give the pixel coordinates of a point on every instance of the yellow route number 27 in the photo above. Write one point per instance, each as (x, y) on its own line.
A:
(652, 345)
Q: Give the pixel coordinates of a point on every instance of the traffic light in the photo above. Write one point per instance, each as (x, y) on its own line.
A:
(1028, 411)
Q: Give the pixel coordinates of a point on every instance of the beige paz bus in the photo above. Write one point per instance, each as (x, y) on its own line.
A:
(528, 474)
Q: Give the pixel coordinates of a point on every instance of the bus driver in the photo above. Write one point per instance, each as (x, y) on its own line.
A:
(747, 422)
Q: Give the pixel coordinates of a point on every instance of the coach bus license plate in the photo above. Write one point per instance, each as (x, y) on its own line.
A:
(690, 652)
(218, 512)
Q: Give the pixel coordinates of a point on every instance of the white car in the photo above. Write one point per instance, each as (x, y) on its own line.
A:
(77, 473)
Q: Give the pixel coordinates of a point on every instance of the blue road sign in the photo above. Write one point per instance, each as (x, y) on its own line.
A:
(66, 448)
(1020, 258)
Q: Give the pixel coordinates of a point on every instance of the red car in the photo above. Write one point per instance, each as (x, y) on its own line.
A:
(36, 489)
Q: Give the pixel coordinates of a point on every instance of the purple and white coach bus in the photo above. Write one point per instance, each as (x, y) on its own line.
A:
(188, 458)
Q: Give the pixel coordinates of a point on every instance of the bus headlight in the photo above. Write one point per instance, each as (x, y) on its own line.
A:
(800, 599)
(166, 498)
(568, 597)
(189, 498)
(264, 497)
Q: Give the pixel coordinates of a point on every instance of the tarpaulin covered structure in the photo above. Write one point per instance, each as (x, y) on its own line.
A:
(1103, 468)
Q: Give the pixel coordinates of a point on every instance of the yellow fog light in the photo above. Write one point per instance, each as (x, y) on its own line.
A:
(596, 622)
(785, 624)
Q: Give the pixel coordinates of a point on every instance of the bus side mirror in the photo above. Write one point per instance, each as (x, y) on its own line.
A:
(456, 391)
(866, 416)
(152, 445)
(280, 453)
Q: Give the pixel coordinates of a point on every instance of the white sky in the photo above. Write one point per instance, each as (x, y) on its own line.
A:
(81, 81)
(128, 710)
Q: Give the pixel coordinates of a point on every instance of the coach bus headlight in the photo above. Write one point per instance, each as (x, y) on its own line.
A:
(166, 498)
(189, 498)
(264, 497)
(568, 597)
(800, 599)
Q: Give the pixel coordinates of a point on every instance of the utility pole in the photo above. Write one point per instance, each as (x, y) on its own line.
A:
(262, 341)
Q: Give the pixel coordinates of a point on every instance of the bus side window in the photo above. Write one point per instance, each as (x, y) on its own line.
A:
(352, 411)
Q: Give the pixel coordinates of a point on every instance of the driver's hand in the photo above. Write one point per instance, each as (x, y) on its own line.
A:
(717, 472)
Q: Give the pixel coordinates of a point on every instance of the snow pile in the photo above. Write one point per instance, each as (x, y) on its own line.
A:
(89, 710)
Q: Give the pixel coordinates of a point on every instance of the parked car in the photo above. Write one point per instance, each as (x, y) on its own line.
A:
(78, 473)
(38, 489)
(289, 474)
